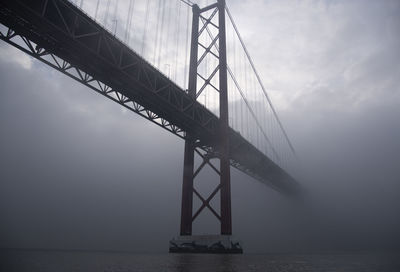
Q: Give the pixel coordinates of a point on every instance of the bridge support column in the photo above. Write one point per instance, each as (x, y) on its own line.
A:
(188, 164)
(187, 189)
(223, 243)
(225, 176)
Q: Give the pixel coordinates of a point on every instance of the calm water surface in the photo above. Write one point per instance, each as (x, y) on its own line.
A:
(54, 261)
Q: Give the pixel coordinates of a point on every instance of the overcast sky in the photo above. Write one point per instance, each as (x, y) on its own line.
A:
(79, 171)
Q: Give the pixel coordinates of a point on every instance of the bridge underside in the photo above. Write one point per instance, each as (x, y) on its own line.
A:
(62, 36)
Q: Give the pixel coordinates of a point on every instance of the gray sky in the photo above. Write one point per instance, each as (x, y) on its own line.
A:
(78, 171)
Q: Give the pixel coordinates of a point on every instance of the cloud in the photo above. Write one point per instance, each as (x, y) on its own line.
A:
(341, 51)
(9, 55)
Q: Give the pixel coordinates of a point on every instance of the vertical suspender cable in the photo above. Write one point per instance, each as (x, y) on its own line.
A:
(167, 45)
(157, 31)
(248, 106)
(266, 124)
(237, 102)
(177, 34)
(257, 106)
(146, 22)
(162, 35)
(241, 103)
(246, 95)
(261, 84)
(97, 9)
(106, 15)
(128, 18)
(130, 22)
(115, 19)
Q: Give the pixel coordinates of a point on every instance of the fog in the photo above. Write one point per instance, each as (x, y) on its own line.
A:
(80, 172)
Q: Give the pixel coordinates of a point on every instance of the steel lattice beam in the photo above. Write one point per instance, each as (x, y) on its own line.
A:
(74, 72)
(62, 36)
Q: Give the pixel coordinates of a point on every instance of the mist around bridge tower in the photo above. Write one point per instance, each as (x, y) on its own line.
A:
(79, 171)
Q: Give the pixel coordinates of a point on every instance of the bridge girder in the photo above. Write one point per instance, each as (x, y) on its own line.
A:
(65, 38)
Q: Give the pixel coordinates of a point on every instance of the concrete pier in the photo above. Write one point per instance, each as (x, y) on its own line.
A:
(219, 244)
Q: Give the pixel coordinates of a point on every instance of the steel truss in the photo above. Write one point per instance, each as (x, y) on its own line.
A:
(206, 157)
(74, 44)
(222, 143)
(59, 34)
(29, 47)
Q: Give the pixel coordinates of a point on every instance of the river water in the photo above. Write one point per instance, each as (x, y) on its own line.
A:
(78, 261)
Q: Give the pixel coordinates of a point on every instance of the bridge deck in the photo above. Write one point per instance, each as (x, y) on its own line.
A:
(58, 28)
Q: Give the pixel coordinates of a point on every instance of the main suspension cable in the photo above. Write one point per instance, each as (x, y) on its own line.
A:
(260, 82)
(245, 99)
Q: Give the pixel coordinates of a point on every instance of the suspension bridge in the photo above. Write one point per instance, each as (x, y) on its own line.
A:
(181, 65)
